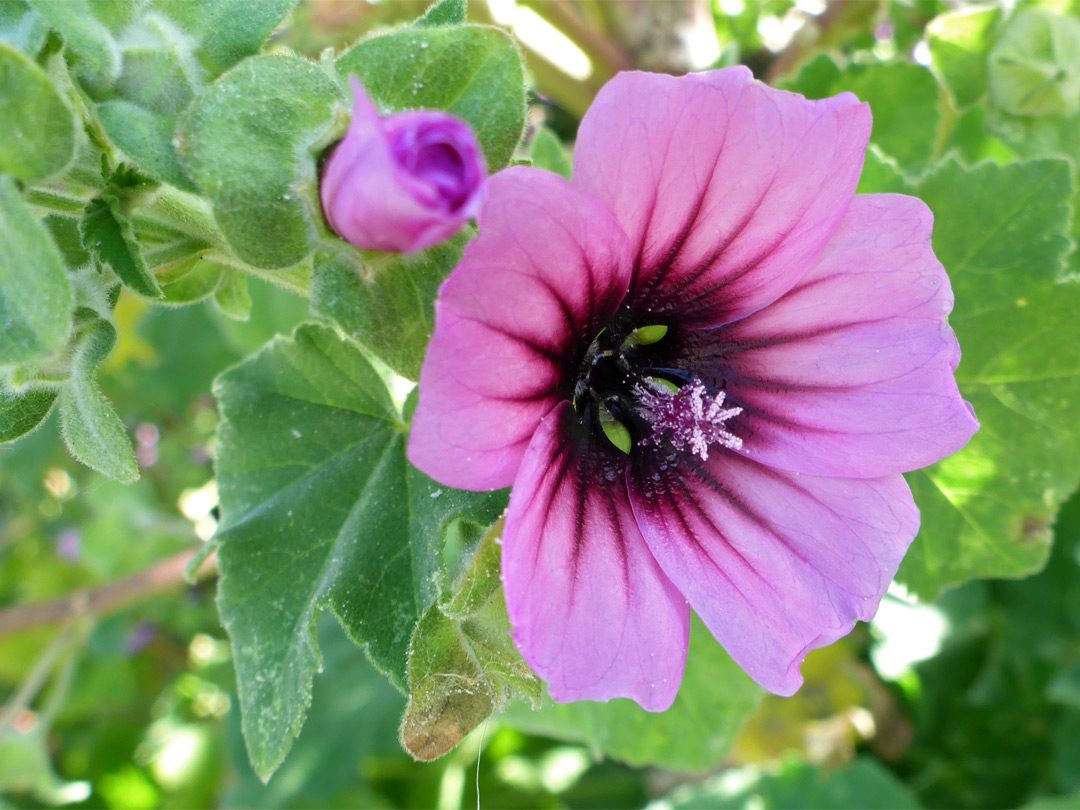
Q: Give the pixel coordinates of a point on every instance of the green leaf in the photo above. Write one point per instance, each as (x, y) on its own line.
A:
(472, 71)
(250, 142)
(159, 71)
(864, 784)
(109, 236)
(443, 12)
(146, 138)
(197, 280)
(462, 661)
(903, 99)
(226, 31)
(319, 509)
(232, 296)
(549, 153)
(23, 411)
(38, 130)
(382, 300)
(35, 293)
(84, 34)
(21, 27)
(1034, 69)
(987, 511)
(715, 698)
(959, 43)
(93, 432)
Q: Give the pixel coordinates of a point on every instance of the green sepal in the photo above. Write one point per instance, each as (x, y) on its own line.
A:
(463, 665)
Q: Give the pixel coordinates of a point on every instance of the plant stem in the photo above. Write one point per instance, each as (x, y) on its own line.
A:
(56, 202)
(107, 599)
(186, 212)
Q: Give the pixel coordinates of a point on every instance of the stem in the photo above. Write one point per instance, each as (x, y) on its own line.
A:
(179, 251)
(30, 687)
(187, 212)
(107, 599)
(56, 202)
(148, 229)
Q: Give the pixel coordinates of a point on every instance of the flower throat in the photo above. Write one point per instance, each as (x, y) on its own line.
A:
(624, 392)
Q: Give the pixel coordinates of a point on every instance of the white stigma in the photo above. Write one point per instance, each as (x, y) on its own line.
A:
(689, 417)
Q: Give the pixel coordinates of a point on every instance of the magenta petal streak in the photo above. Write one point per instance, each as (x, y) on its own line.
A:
(806, 363)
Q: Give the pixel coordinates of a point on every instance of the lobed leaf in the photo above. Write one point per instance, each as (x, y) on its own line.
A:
(384, 301)
(319, 509)
(714, 700)
(988, 510)
(108, 235)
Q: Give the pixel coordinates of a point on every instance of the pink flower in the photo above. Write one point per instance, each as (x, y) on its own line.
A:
(703, 365)
(402, 183)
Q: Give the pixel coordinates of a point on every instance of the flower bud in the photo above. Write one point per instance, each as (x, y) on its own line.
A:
(404, 182)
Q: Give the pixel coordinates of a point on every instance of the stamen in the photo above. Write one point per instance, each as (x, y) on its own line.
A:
(688, 417)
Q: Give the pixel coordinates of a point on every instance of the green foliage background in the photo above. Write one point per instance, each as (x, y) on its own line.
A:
(190, 363)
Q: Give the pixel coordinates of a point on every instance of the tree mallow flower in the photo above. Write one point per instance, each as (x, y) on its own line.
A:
(404, 182)
(703, 365)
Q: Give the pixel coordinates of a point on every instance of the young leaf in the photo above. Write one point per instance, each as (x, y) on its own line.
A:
(549, 153)
(462, 662)
(38, 130)
(385, 302)
(987, 511)
(197, 281)
(319, 509)
(250, 141)
(959, 42)
(84, 34)
(35, 293)
(93, 432)
(715, 698)
(443, 12)
(472, 71)
(226, 31)
(146, 138)
(21, 27)
(23, 411)
(108, 235)
(1034, 69)
(232, 296)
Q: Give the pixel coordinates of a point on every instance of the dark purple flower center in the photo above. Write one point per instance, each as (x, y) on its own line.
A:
(629, 391)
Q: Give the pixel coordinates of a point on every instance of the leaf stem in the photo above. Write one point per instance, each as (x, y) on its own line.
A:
(186, 212)
(56, 202)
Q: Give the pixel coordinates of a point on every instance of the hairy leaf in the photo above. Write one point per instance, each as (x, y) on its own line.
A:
(472, 71)
(319, 509)
(382, 300)
(108, 235)
(35, 293)
(250, 142)
(38, 130)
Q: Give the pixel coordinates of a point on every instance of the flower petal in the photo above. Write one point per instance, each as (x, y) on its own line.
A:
(775, 563)
(593, 614)
(851, 372)
(547, 268)
(727, 188)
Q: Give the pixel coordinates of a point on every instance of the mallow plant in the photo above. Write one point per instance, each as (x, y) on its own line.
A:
(537, 423)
